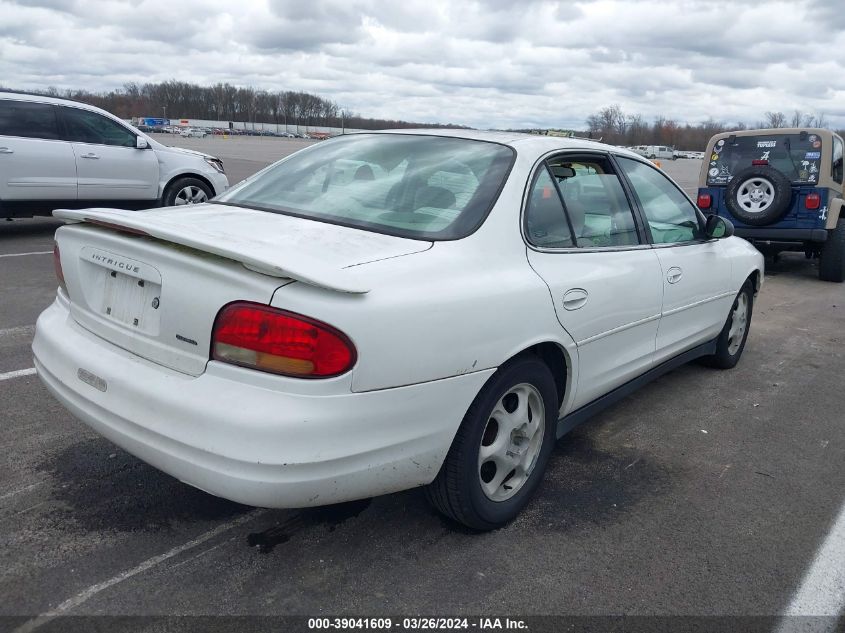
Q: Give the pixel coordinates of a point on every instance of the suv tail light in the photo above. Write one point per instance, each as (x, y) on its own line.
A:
(280, 342)
(57, 266)
(812, 201)
(704, 201)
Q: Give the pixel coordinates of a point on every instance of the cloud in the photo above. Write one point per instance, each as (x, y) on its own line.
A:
(486, 63)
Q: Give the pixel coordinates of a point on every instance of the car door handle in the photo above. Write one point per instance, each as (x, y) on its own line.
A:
(6, 150)
(574, 299)
(674, 274)
(91, 156)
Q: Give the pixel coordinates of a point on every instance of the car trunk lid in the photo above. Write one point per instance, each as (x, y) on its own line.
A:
(316, 253)
(153, 282)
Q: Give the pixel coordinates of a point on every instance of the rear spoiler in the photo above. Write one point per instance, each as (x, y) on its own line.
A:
(282, 262)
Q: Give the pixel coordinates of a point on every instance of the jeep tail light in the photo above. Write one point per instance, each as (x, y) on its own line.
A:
(704, 201)
(812, 201)
(280, 342)
(57, 266)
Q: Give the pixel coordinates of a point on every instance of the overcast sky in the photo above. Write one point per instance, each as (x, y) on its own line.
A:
(491, 63)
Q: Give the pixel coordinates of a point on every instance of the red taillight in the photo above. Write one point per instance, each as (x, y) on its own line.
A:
(704, 201)
(759, 163)
(268, 339)
(812, 201)
(57, 265)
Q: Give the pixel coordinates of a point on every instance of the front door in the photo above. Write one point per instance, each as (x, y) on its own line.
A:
(695, 271)
(108, 165)
(605, 282)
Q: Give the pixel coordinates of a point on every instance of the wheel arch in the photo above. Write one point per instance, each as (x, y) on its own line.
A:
(834, 212)
(557, 358)
(187, 174)
(756, 278)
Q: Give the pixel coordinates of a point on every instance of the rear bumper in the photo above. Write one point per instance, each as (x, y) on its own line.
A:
(782, 235)
(247, 442)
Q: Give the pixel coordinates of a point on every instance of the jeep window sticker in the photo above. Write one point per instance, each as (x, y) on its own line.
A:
(719, 172)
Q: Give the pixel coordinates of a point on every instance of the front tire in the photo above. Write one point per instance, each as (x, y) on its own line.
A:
(184, 191)
(732, 339)
(832, 258)
(502, 448)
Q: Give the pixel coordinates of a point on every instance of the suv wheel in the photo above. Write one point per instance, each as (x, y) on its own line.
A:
(501, 449)
(832, 258)
(186, 191)
(758, 196)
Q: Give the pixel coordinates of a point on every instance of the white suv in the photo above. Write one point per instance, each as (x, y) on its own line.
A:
(57, 153)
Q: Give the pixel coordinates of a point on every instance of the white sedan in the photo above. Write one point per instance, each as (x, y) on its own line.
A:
(389, 310)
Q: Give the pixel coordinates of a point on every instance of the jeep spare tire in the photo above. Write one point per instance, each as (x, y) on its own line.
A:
(758, 196)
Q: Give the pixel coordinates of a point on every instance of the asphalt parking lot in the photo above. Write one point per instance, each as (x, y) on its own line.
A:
(705, 493)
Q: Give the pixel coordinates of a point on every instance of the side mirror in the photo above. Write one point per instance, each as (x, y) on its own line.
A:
(141, 143)
(717, 227)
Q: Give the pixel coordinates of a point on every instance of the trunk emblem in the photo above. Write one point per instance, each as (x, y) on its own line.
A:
(156, 303)
(92, 379)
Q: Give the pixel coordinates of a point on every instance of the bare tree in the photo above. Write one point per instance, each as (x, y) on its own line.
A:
(775, 119)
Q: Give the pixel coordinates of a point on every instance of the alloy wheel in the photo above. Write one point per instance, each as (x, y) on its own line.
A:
(190, 195)
(511, 442)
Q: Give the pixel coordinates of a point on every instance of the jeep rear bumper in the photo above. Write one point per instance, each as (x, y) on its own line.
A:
(768, 235)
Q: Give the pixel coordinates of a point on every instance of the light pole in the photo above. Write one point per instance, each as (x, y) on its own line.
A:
(164, 112)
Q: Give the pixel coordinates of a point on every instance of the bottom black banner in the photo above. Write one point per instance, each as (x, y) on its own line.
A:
(439, 624)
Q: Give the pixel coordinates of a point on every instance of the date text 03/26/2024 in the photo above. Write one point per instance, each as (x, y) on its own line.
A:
(417, 624)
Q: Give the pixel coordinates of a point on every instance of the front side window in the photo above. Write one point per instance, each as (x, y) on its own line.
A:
(836, 168)
(28, 120)
(421, 187)
(83, 126)
(670, 215)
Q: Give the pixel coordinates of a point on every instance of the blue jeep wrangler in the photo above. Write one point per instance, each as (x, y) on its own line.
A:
(782, 189)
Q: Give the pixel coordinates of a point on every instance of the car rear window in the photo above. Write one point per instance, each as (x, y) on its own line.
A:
(422, 187)
(797, 156)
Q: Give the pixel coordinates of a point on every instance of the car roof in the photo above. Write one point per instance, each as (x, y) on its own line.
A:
(777, 130)
(518, 140)
(22, 96)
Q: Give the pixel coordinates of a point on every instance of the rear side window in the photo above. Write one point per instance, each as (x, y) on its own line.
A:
(836, 168)
(595, 201)
(545, 219)
(27, 119)
(797, 156)
(594, 212)
(82, 126)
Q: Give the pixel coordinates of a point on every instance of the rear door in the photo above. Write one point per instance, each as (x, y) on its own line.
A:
(35, 163)
(696, 273)
(605, 282)
(108, 165)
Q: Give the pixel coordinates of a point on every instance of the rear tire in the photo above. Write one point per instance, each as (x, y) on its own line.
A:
(502, 448)
(186, 191)
(832, 258)
(732, 339)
